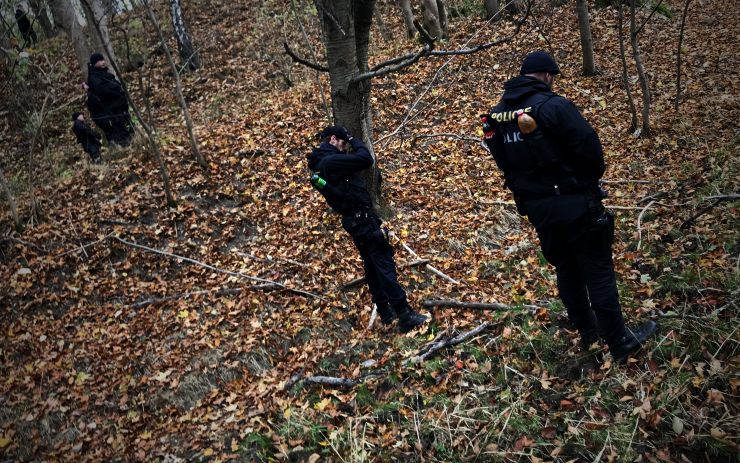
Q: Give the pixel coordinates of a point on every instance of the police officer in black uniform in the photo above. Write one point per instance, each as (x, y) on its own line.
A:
(336, 177)
(552, 162)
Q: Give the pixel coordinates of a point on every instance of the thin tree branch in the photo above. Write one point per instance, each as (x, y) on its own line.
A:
(431, 303)
(655, 8)
(215, 269)
(331, 16)
(428, 267)
(386, 68)
(215, 292)
(303, 61)
(639, 224)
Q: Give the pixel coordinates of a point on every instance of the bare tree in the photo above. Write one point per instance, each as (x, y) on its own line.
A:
(625, 74)
(189, 56)
(178, 88)
(678, 55)
(637, 56)
(587, 44)
(408, 17)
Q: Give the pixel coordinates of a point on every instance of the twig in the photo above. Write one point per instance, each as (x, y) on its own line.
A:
(215, 269)
(84, 246)
(429, 303)
(303, 61)
(373, 316)
(427, 266)
(271, 259)
(434, 348)
(331, 381)
(701, 212)
(728, 197)
(25, 243)
(358, 281)
(639, 224)
(630, 180)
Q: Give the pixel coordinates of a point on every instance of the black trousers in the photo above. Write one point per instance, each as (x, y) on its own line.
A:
(582, 256)
(93, 149)
(377, 259)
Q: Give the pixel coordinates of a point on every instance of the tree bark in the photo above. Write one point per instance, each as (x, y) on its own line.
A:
(492, 10)
(644, 85)
(625, 75)
(431, 18)
(678, 55)
(587, 45)
(408, 17)
(189, 56)
(442, 13)
(65, 17)
(178, 88)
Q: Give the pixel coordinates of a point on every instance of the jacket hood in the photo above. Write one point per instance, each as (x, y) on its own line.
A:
(521, 87)
(325, 149)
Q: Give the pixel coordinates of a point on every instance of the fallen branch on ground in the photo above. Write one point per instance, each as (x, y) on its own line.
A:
(216, 269)
(639, 224)
(214, 292)
(358, 281)
(441, 344)
(430, 303)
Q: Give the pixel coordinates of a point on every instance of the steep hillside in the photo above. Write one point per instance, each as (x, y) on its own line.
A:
(136, 332)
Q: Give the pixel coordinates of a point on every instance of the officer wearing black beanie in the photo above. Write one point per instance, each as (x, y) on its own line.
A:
(552, 162)
(336, 175)
(107, 102)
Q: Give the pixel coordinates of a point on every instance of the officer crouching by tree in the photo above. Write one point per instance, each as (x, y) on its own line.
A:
(552, 162)
(336, 177)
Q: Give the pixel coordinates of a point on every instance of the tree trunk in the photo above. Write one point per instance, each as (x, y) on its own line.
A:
(625, 75)
(178, 88)
(644, 85)
(431, 18)
(188, 54)
(11, 202)
(97, 20)
(442, 13)
(384, 31)
(587, 45)
(65, 17)
(408, 17)
(492, 10)
(347, 35)
(678, 55)
(40, 11)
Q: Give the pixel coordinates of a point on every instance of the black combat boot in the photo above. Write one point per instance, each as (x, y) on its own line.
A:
(408, 319)
(632, 341)
(387, 315)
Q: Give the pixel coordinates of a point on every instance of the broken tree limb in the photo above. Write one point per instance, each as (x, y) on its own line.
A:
(441, 344)
(216, 269)
(430, 303)
(639, 224)
(359, 281)
(331, 381)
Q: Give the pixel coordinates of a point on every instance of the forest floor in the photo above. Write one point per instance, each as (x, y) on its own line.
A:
(113, 348)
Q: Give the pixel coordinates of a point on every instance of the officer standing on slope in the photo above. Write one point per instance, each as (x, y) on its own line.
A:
(336, 177)
(552, 161)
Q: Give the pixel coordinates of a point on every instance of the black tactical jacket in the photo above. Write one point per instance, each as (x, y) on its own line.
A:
(347, 193)
(552, 185)
(105, 90)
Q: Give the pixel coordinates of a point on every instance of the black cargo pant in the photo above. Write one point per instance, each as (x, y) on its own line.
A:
(377, 258)
(582, 256)
(93, 149)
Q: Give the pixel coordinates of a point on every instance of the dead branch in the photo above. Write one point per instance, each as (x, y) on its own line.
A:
(730, 197)
(331, 381)
(215, 269)
(20, 241)
(678, 54)
(686, 223)
(359, 281)
(271, 259)
(431, 303)
(639, 223)
(303, 61)
(441, 344)
(655, 8)
(83, 247)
